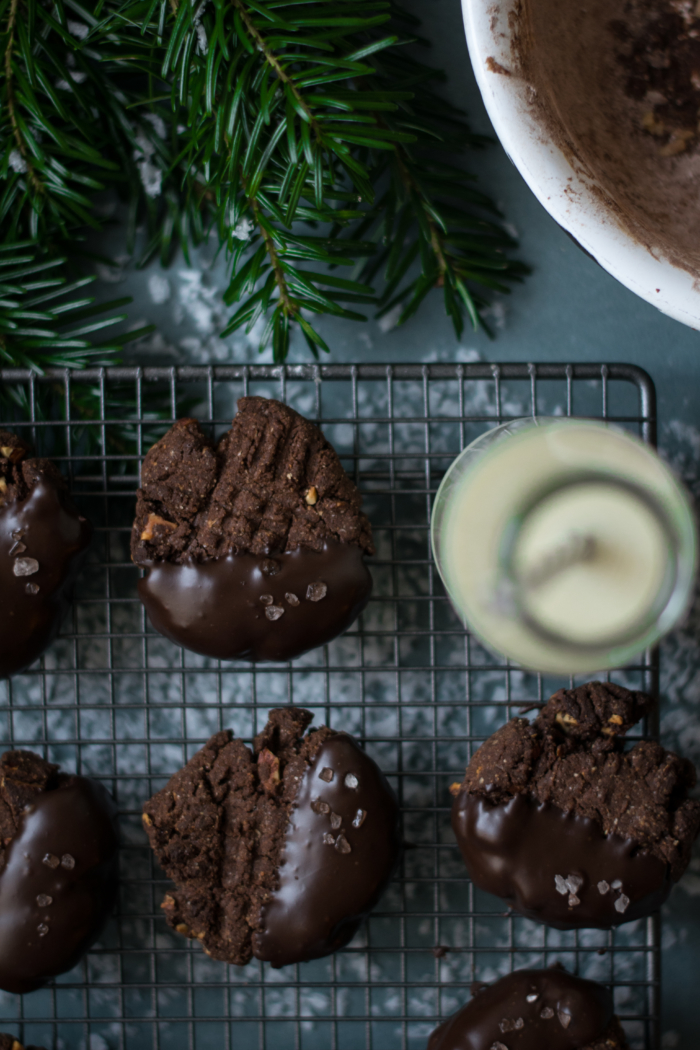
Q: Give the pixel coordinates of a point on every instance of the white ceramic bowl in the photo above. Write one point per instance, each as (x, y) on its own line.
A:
(575, 199)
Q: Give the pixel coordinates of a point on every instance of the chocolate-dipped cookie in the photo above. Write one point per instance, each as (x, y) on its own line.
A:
(58, 868)
(554, 817)
(43, 540)
(534, 1010)
(253, 547)
(8, 1042)
(279, 852)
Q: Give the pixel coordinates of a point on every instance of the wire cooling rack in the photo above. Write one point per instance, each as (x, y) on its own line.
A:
(114, 700)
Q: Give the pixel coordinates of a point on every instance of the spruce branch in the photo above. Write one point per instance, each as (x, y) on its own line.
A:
(315, 114)
(49, 320)
(304, 135)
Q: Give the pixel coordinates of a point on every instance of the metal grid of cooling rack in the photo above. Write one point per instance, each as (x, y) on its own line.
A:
(114, 700)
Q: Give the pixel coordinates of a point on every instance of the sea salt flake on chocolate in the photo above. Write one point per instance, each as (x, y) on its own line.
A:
(50, 861)
(315, 591)
(270, 567)
(560, 883)
(292, 598)
(25, 566)
(67, 862)
(273, 612)
(359, 818)
(326, 774)
(42, 929)
(574, 882)
(17, 534)
(547, 1013)
(617, 884)
(532, 998)
(622, 903)
(519, 1023)
(328, 839)
(319, 806)
(336, 821)
(573, 900)
(17, 548)
(342, 844)
(43, 900)
(508, 1025)
(31, 588)
(564, 1018)
(498, 1046)
(266, 599)
(603, 887)
(351, 781)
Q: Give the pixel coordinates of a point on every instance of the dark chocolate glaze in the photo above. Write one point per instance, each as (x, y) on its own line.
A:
(515, 849)
(55, 535)
(215, 607)
(580, 1012)
(326, 889)
(78, 820)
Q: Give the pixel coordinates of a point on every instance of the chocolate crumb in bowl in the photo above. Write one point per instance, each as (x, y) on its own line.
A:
(658, 47)
(58, 868)
(239, 562)
(615, 85)
(534, 1010)
(274, 868)
(43, 541)
(557, 819)
(9, 1042)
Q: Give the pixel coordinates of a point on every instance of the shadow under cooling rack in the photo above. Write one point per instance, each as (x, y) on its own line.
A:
(114, 700)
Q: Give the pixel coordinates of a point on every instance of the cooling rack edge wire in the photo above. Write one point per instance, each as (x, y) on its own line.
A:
(113, 700)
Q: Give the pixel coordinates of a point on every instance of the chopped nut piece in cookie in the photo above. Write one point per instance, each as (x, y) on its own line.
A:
(156, 527)
(269, 771)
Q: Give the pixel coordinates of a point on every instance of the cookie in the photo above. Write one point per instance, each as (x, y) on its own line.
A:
(58, 868)
(534, 1010)
(8, 1042)
(554, 817)
(253, 547)
(279, 852)
(43, 541)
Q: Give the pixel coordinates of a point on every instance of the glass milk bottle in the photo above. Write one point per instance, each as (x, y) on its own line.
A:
(564, 544)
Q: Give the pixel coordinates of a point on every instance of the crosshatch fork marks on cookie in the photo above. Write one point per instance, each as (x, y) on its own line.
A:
(114, 700)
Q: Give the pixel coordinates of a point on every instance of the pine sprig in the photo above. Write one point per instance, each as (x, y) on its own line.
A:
(431, 211)
(315, 113)
(302, 133)
(48, 321)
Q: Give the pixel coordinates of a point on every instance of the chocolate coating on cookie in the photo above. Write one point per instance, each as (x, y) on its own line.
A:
(534, 1010)
(254, 547)
(277, 853)
(556, 819)
(340, 848)
(243, 606)
(43, 540)
(556, 867)
(59, 874)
